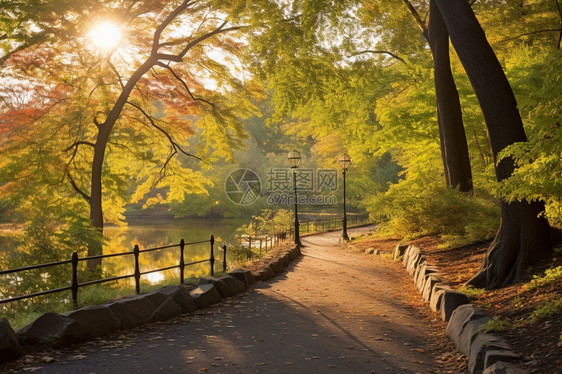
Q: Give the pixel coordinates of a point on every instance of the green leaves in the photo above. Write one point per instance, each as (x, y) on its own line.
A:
(537, 79)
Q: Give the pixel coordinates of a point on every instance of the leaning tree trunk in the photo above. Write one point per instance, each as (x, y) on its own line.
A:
(96, 209)
(454, 147)
(523, 237)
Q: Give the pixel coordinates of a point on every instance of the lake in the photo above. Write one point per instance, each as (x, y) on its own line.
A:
(157, 232)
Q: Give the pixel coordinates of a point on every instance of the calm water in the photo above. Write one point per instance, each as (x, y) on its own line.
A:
(152, 233)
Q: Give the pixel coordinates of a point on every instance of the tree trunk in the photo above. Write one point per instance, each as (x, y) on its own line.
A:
(96, 209)
(454, 147)
(523, 238)
(104, 130)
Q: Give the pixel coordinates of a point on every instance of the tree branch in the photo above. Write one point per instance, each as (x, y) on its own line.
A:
(67, 169)
(161, 172)
(77, 143)
(169, 68)
(529, 33)
(116, 73)
(218, 30)
(75, 186)
(175, 145)
(380, 52)
(156, 41)
(418, 19)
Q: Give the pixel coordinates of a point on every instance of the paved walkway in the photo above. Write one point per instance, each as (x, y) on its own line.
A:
(334, 311)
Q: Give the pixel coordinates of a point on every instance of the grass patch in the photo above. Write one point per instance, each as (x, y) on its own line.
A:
(497, 324)
(546, 309)
(550, 276)
(472, 292)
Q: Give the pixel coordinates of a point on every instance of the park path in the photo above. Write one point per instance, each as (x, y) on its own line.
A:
(333, 311)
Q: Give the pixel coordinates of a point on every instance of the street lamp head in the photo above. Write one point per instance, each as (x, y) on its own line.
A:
(294, 159)
(344, 161)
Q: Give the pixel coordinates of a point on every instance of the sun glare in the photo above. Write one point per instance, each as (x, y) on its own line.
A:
(105, 36)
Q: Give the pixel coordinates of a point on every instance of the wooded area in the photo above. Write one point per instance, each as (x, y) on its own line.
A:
(449, 109)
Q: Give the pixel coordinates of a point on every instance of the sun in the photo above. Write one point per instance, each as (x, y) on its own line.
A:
(105, 35)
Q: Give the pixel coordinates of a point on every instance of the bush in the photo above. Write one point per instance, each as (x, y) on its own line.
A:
(551, 275)
(423, 206)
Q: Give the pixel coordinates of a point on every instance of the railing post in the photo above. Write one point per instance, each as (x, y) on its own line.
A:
(74, 284)
(137, 268)
(182, 262)
(224, 258)
(250, 242)
(260, 245)
(212, 258)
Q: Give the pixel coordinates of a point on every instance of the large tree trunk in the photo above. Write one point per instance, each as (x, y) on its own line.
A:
(96, 209)
(454, 147)
(523, 237)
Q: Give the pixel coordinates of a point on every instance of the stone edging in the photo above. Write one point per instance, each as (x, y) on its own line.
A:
(168, 302)
(486, 353)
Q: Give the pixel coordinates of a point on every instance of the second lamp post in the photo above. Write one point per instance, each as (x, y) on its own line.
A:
(344, 161)
(294, 160)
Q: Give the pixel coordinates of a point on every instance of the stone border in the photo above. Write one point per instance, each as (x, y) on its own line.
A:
(52, 329)
(486, 353)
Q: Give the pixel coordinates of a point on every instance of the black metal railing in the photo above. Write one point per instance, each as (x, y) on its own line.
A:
(75, 285)
(315, 226)
(306, 227)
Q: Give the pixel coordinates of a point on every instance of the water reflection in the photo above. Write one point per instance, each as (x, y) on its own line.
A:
(164, 233)
(150, 233)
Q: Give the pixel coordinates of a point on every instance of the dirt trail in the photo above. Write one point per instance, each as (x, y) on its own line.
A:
(333, 311)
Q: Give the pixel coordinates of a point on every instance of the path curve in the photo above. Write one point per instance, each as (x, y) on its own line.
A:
(333, 311)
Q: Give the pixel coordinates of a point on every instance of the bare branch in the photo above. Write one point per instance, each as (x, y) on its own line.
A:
(417, 18)
(156, 41)
(167, 57)
(161, 172)
(67, 169)
(116, 73)
(218, 30)
(75, 186)
(379, 52)
(169, 68)
(77, 143)
(175, 145)
(528, 33)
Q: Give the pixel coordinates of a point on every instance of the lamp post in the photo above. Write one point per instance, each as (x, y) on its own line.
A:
(344, 161)
(295, 160)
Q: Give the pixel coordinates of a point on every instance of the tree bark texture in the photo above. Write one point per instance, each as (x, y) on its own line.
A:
(454, 147)
(523, 237)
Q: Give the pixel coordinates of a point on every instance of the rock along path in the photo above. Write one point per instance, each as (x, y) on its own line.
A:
(333, 311)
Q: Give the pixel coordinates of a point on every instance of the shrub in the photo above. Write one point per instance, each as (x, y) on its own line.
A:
(551, 275)
(412, 208)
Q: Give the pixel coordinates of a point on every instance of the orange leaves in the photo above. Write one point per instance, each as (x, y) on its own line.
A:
(19, 117)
